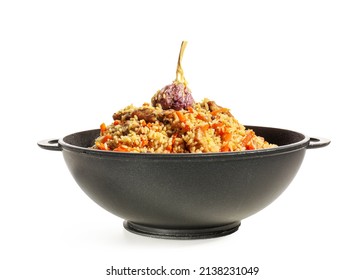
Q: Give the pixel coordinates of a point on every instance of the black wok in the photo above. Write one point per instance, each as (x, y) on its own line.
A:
(185, 196)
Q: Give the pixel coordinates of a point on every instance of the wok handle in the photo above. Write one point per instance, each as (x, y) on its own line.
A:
(318, 142)
(50, 144)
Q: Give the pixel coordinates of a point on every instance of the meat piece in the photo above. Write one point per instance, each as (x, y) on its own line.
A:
(202, 144)
(166, 116)
(116, 116)
(146, 114)
(128, 126)
(214, 107)
(121, 117)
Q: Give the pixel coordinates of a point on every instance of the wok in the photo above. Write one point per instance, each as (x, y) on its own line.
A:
(185, 196)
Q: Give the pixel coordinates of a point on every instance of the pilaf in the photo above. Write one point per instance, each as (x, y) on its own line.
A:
(201, 128)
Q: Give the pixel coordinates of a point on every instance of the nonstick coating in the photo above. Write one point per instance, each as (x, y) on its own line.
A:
(185, 192)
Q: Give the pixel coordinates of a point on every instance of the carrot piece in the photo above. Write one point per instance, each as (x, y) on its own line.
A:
(226, 136)
(143, 123)
(122, 148)
(103, 127)
(220, 129)
(174, 136)
(205, 127)
(250, 147)
(180, 116)
(200, 117)
(187, 127)
(105, 138)
(190, 109)
(247, 138)
(100, 146)
(225, 148)
(221, 110)
(144, 142)
(217, 125)
(170, 146)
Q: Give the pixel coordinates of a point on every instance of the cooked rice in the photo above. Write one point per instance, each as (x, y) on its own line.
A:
(205, 127)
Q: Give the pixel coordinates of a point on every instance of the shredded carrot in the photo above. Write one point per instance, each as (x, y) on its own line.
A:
(190, 109)
(116, 122)
(143, 123)
(180, 116)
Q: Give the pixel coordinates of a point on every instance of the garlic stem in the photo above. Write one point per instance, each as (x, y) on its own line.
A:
(180, 78)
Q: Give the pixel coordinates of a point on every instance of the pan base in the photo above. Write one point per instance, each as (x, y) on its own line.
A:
(183, 234)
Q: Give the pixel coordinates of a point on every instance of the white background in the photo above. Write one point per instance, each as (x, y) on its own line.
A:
(67, 66)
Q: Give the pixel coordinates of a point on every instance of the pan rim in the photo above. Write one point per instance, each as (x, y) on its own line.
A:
(301, 144)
